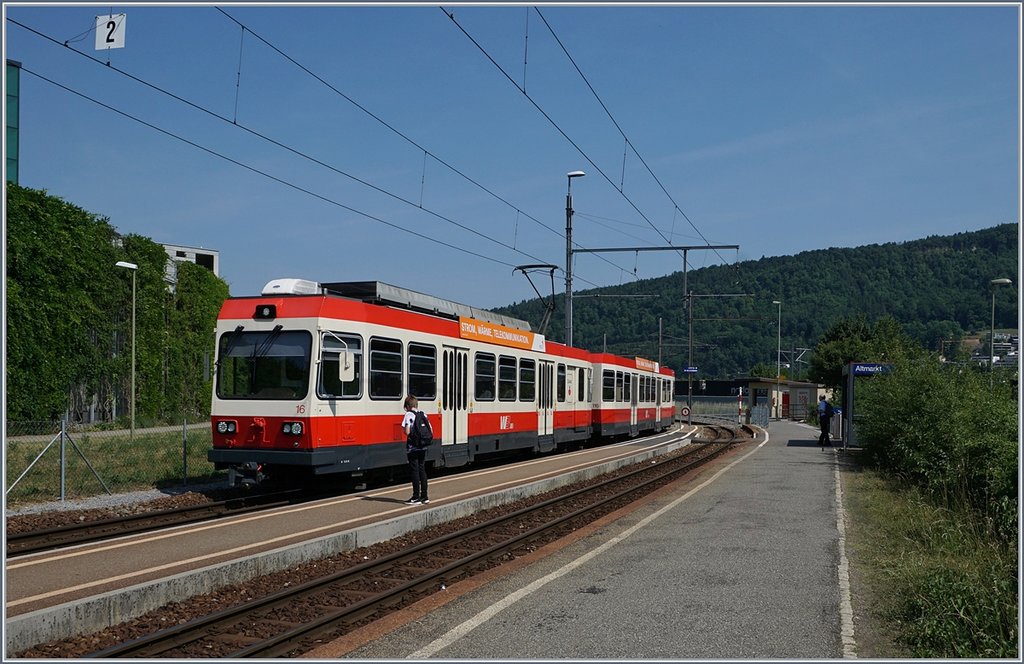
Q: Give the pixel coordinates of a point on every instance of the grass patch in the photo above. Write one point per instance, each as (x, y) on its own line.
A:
(149, 460)
(945, 587)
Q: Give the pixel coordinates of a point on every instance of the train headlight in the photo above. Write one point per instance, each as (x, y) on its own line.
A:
(226, 426)
(292, 428)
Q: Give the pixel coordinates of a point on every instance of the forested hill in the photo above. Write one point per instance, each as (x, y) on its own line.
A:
(938, 288)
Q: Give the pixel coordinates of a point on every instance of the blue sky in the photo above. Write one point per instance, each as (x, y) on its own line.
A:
(778, 128)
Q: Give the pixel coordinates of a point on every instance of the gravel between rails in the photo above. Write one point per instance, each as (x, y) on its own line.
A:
(182, 612)
(39, 516)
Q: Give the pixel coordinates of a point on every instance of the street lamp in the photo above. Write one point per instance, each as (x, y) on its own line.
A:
(131, 402)
(993, 285)
(568, 256)
(778, 366)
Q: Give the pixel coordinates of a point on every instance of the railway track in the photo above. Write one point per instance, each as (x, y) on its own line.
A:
(20, 544)
(297, 619)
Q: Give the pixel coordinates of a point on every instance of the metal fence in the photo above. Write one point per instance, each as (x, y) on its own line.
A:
(58, 460)
(727, 409)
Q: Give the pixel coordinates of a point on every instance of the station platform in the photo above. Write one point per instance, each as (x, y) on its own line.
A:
(746, 562)
(84, 589)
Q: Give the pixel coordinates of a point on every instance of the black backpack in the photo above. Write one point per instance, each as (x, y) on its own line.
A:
(421, 433)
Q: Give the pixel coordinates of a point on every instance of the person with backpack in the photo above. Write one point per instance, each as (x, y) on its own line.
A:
(418, 436)
(825, 420)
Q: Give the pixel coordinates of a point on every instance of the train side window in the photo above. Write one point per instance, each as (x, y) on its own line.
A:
(608, 387)
(506, 378)
(385, 368)
(627, 387)
(527, 380)
(561, 383)
(422, 371)
(329, 386)
(618, 386)
(485, 376)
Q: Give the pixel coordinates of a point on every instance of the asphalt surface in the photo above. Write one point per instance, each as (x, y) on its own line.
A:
(745, 563)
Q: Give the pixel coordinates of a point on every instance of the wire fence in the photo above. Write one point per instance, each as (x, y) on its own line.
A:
(59, 460)
(727, 409)
(50, 460)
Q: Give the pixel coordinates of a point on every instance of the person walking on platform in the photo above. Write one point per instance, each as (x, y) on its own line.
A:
(415, 449)
(825, 420)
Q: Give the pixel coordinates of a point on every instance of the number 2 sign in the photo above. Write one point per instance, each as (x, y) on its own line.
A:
(110, 31)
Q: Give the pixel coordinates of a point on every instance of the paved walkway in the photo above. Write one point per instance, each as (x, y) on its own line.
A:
(747, 562)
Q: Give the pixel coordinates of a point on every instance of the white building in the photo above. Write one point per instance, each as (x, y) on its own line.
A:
(208, 258)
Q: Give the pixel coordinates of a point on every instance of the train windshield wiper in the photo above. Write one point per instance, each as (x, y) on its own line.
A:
(236, 336)
(267, 344)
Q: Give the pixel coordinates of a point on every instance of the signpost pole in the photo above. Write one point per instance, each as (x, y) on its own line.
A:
(689, 363)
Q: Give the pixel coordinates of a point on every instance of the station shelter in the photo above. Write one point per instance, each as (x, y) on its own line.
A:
(785, 399)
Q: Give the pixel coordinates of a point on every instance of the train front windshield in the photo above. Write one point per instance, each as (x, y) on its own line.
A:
(264, 365)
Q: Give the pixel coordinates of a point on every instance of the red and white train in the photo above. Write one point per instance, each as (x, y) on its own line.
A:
(311, 378)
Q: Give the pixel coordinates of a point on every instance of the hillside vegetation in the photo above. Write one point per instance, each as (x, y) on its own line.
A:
(936, 288)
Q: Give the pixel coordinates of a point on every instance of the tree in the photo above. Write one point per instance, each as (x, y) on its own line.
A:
(69, 316)
(854, 340)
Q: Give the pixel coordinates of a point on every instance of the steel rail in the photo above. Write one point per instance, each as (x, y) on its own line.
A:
(35, 541)
(219, 623)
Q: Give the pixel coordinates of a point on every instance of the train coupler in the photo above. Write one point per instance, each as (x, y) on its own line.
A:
(249, 474)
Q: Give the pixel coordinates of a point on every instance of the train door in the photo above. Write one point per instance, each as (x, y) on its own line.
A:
(454, 396)
(546, 406)
(576, 391)
(657, 387)
(634, 382)
(585, 415)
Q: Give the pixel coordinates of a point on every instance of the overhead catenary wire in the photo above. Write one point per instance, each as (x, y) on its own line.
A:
(629, 144)
(299, 153)
(257, 171)
(405, 137)
(557, 127)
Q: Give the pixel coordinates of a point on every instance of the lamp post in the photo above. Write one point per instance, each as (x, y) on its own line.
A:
(131, 401)
(993, 285)
(568, 256)
(778, 365)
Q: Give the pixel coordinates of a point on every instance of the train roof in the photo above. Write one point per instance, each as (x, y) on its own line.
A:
(377, 292)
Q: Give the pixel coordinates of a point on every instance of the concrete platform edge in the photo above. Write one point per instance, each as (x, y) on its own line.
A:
(94, 614)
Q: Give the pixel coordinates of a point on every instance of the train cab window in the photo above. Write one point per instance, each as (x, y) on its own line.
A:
(608, 386)
(561, 383)
(422, 371)
(332, 348)
(385, 369)
(506, 378)
(264, 365)
(527, 380)
(485, 377)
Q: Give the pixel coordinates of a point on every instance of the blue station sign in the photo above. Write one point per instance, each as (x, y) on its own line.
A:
(689, 369)
(869, 368)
